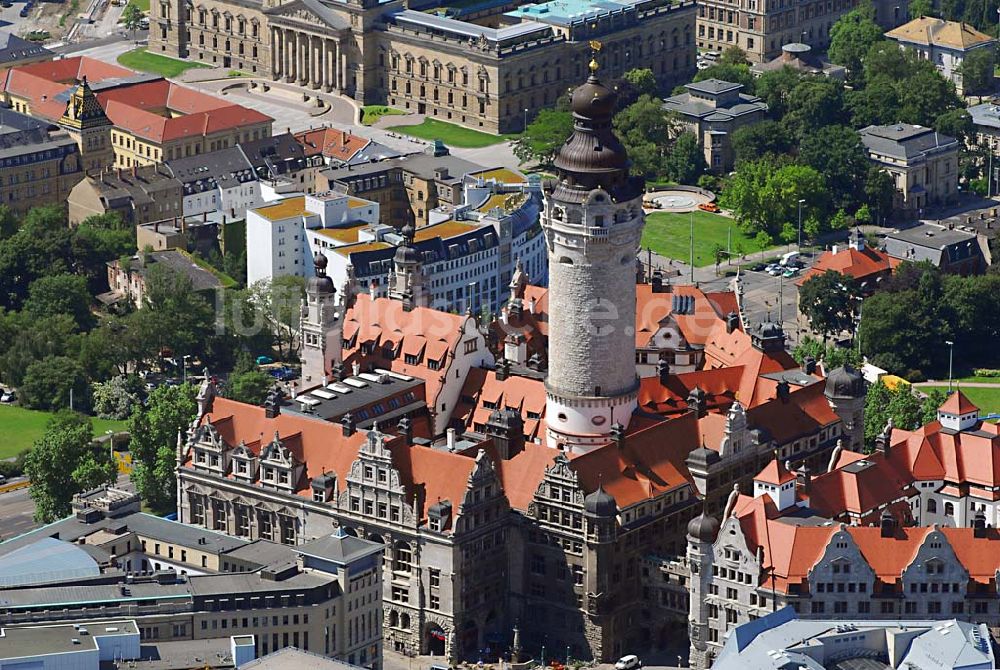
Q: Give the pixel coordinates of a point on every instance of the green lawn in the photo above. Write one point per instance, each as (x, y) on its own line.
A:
(143, 5)
(669, 235)
(23, 426)
(140, 59)
(988, 400)
(450, 134)
(372, 113)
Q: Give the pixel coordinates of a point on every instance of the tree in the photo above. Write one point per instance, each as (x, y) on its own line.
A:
(831, 355)
(774, 87)
(957, 123)
(852, 36)
(813, 103)
(178, 317)
(250, 387)
(64, 462)
(880, 191)
(8, 222)
(763, 195)
(733, 55)
(828, 302)
(131, 17)
(55, 382)
(115, 398)
(758, 140)
(32, 340)
(763, 241)
(920, 8)
(977, 71)
(906, 410)
(60, 294)
(642, 81)
(685, 161)
(836, 152)
(544, 136)
(154, 430)
(40, 247)
(647, 131)
(277, 303)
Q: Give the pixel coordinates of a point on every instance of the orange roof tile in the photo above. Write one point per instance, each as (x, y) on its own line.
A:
(331, 142)
(957, 403)
(775, 473)
(376, 320)
(863, 265)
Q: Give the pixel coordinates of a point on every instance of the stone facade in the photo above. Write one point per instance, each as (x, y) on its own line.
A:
(387, 53)
(761, 27)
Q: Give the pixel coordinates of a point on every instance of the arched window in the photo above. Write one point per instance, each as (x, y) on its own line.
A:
(404, 620)
(401, 557)
(932, 506)
(949, 509)
(394, 619)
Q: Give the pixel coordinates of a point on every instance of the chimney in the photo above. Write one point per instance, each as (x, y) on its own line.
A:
(732, 322)
(450, 437)
(809, 365)
(405, 427)
(657, 282)
(272, 405)
(784, 390)
(348, 425)
(979, 524)
(663, 370)
(887, 524)
(883, 441)
(804, 477)
(503, 370)
(618, 435)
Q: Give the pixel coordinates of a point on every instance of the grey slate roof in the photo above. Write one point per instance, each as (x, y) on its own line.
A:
(928, 242)
(274, 156)
(290, 658)
(905, 141)
(225, 168)
(14, 49)
(986, 114)
(71, 529)
(201, 279)
(712, 86)
(339, 548)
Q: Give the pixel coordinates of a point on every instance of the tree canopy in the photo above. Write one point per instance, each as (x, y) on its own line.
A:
(852, 36)
(154, 428)
(829, 302)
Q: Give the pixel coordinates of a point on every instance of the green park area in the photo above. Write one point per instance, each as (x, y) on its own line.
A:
(450, 134)
(372, 113)
(669, 235)
(142, 5)
(23, 426)
(142, 60)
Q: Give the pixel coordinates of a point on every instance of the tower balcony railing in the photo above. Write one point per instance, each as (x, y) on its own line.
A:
(598, 231)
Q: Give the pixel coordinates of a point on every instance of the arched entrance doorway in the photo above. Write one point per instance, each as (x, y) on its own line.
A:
(469, 641)
(434, 639)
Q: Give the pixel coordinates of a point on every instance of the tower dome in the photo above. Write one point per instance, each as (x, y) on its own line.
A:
(845, 382)
(320, 282)
(704, 528)
(600, 503)
(406, 253)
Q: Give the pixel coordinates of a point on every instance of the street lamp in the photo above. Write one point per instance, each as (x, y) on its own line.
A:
(801, 201)
(692, 246)
(525, 125)
(184, 363)
(111, 444)
(951, 352)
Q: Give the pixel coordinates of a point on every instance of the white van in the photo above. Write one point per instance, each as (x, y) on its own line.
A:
(790, 258)
(630, 662)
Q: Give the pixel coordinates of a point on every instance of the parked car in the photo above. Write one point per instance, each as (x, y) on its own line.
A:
(284, 373)
(790, 272)
(3, 480)
(775, 270)
(8, 396)
(630, 662)
(709, 207)
(264, 360)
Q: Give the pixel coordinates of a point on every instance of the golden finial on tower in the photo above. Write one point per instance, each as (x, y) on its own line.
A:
(595, 48)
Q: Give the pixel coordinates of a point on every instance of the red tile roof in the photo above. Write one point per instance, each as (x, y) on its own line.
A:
(790, 552)
(331, 142)
(375, 321)
(651, 463)
(523, 394)
(427, 474)
(864, 265)
(155, 110)
(958, 404)
(775, 473)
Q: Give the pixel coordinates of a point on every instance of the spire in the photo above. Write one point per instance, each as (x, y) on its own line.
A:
(83, 111)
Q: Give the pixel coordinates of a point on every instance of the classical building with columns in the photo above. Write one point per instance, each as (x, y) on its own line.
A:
(485, 67)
